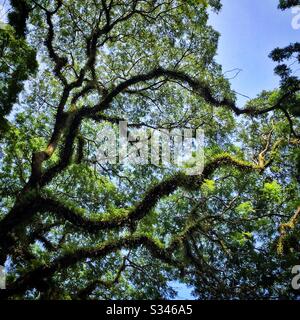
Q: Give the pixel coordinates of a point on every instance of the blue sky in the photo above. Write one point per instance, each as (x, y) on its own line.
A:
(250, 30)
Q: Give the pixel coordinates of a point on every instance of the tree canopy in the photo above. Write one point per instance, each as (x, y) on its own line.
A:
(72, 227)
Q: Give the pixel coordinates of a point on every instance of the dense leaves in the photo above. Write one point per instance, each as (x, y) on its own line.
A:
(17, 61)
(284, 4)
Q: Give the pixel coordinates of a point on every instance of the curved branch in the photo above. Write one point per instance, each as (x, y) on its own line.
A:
(24, 211)
(200, 87)
(140, 210)
(37, 277)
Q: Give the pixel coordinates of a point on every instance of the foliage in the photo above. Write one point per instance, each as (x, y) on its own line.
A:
(74, 228)
(17, 62)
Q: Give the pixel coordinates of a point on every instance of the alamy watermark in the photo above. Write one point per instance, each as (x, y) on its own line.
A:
(182, 148)
(2, 278)
(296, 17)
(296, 278)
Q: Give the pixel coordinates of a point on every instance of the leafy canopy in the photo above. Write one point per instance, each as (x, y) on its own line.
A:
(74, 228)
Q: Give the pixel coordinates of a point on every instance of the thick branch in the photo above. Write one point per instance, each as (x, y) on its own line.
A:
(37, 277)
(154, 194)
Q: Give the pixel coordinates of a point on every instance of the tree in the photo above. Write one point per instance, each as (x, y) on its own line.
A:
(74, 228)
